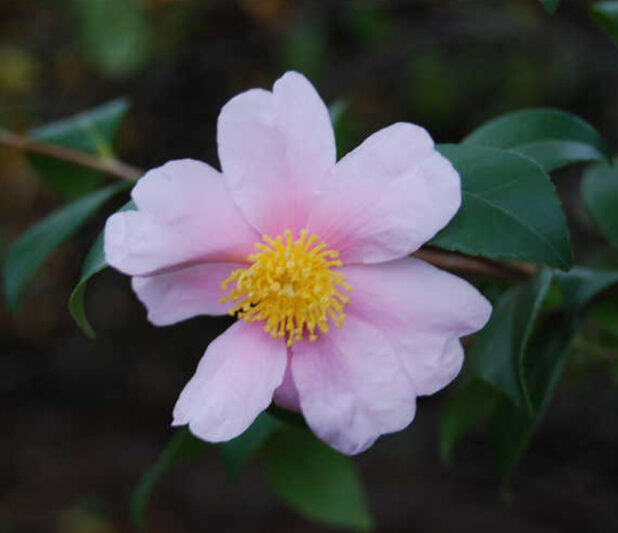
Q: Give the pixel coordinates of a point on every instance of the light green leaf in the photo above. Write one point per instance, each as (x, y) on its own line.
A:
(181, 448)
(600, 195)
(606, 15)
(509, 208)
(115, 34)
(94, 263)
(470, 403)
(550, 5)
(316, 481)
(92, 131)
(239, 451)
(512, 427)
(498, 353)
(35, 246)
(553, 138)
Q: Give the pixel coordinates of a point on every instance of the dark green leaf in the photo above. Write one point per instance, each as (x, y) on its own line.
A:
(304, 48)
(498, 353)
(237, 452)
(94, 263)
(287, 417)
(181, 448)
(512, 427)
(550, 5)
(35, 246)
(606, 15)
(551, 137)
(470, 403)
(93, 132)
(115, 34)
(316, 481)
(580, 285)
(510, 208)
(600, 194)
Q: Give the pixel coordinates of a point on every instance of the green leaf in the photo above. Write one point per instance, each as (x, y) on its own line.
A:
(606, 16)
(512, 427)
(239, 451)
(181, 448)
(94, 263)
(115, 34)
(469, 403)
(509, 208)
(316, 481)
(93, 132)
(304, 47)
(580, 285)
(550, 5)
(553, 138)
(600, 195)
(498, 353)
(287, 417)
(35, 246)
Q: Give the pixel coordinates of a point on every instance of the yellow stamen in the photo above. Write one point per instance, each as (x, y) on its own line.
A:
(293, 285)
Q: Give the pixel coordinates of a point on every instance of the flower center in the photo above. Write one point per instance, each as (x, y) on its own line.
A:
(292, 285)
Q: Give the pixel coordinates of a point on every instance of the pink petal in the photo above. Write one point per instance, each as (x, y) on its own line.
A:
(186, 216)
(185, 293)
(386, 198)
(234, 382)
(422, 311)
(286, 395)
(351, 386)
(274, 150)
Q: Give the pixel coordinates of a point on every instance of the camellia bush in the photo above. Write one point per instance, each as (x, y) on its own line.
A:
(345, 276)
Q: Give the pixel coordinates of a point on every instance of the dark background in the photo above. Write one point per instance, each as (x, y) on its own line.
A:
(81, 420)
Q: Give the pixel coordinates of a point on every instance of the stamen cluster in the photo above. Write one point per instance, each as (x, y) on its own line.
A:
(292, 285)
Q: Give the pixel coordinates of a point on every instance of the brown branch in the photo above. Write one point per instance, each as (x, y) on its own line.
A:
(443, 259)
(113, 167)
(474, 265)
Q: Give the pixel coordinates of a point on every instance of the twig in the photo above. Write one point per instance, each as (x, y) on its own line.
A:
(475, 265)
(113, 167)
(447, 260)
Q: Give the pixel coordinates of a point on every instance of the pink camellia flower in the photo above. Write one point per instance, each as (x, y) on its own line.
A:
(336, 321)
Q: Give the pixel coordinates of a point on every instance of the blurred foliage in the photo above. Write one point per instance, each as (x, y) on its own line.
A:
(93, 132)
(606, 15)
(115, 35)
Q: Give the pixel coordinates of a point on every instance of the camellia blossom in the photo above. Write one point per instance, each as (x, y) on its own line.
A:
(335, 320)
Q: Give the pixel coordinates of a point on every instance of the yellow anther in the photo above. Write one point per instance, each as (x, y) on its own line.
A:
(291, 285)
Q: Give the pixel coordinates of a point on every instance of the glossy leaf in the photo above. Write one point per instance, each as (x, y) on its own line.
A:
(553, 138)
(509, 208)
(606, 15)
(600, 195)
(182, 447)
(498, 353)
(550, 5)
(93, 132)
(316, 481)
(239, 451)
(470, 403)
(115, 35)
(35, 246)
(94, 263)
(512, 427)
